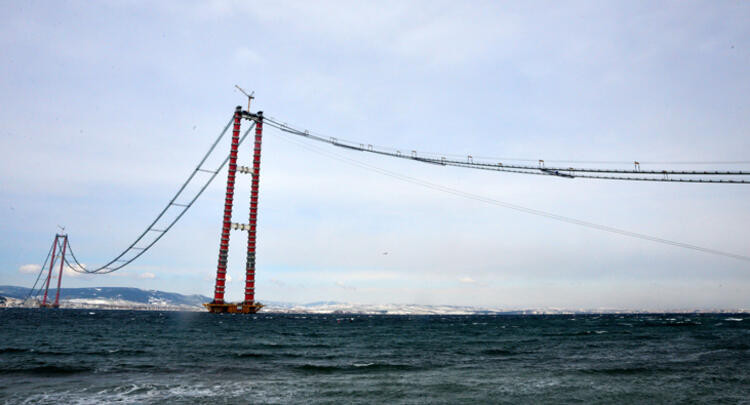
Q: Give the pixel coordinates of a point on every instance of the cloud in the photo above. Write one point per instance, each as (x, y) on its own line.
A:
(277, 282)
(344, 286)
(247, 57)
(460, 36)
(467, 280)
(147, 275)
(34, 268)
(75, 270)
(29, 268)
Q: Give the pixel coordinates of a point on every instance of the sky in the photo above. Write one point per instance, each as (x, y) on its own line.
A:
(108, 106)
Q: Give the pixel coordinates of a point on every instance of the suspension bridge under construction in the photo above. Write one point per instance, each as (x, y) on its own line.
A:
(62, 255)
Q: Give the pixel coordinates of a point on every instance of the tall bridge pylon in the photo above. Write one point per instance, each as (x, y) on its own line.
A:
(61, 242)
(248, 305)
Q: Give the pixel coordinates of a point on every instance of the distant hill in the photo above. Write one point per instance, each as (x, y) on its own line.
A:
(135, 298)
(114, 296)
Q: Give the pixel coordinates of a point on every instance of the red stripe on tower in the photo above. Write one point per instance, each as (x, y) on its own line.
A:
(59, 277)
(221, 270)
(250, 264)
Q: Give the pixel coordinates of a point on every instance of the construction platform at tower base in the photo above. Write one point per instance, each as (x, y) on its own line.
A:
(233, 307)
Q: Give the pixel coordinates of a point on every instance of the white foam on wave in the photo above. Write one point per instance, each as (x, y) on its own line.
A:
(139, 393)
(734, 319)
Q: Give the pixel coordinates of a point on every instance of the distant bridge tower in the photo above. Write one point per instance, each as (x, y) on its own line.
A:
(62, 241)
(249, 305)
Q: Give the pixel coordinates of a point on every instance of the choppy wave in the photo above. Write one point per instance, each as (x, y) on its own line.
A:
(47, 370)
(57, 357)
(42, 352)
(499, 352)
(354, 367)
(621, 371)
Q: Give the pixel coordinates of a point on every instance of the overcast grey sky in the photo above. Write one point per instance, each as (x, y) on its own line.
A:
(107, 107)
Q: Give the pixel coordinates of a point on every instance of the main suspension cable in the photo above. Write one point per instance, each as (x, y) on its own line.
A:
(118, 262)
(133, 251)
(41, 270)
(515, 207)
(636, 174)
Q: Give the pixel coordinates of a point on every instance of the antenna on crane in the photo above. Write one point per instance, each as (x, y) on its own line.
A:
(249, 96)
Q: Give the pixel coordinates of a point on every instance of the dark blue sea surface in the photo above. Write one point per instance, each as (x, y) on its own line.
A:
(96, 356)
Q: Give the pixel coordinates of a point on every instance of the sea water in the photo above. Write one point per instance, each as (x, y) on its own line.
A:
(97, 356)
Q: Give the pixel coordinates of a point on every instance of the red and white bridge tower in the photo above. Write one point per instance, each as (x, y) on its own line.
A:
(249, 305)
